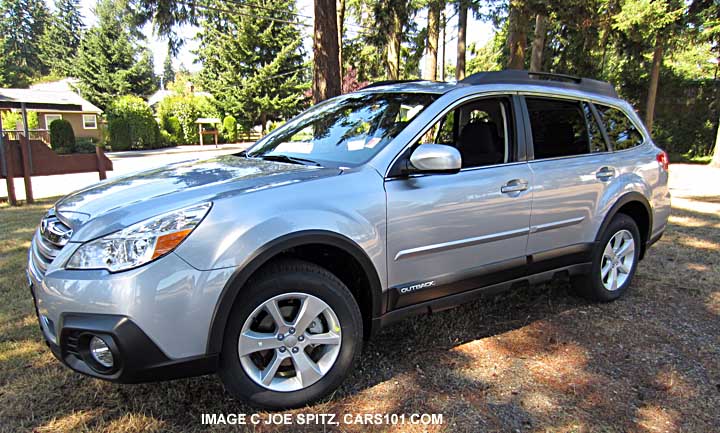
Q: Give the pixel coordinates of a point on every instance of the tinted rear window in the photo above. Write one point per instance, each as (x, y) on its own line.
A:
(620, 129)
(558, 128)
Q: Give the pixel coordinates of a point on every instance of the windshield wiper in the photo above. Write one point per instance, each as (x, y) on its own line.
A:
(289, 159)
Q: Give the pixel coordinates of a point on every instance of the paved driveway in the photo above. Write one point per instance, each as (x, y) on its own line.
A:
(123, 163)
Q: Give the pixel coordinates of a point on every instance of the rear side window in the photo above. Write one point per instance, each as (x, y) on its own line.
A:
(559, 128)
(620, 129)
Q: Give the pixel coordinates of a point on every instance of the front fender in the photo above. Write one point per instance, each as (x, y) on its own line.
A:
(234, 285)
(350, 205)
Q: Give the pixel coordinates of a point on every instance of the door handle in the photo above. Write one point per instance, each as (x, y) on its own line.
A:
(605, 173)
(515, 185)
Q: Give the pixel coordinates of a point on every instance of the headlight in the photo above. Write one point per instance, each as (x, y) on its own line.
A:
(139, 243)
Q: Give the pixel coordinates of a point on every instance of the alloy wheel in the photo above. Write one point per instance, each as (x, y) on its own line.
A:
(289, 342)
(617, 260)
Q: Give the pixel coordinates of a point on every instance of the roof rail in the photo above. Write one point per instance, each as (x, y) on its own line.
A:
(546, 79)
(386, 82)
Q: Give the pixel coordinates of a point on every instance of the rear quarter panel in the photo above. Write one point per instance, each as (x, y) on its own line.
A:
(637, 171)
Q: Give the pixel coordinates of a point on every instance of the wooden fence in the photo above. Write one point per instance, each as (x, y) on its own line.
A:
(23, 157)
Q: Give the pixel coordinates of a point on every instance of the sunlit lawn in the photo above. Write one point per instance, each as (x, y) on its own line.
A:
(538, 359)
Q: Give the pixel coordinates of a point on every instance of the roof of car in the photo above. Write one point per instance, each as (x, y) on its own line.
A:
(514, 77)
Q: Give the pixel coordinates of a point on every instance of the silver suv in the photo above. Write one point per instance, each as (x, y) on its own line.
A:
(271, 267)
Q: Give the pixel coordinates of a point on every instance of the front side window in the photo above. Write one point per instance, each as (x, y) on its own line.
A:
(345, 131)
(621, 131)
(558, 128)
(481, 130)
(89, 121)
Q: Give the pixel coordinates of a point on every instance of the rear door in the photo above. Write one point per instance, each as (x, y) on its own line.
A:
(448, 233)
(569, 160)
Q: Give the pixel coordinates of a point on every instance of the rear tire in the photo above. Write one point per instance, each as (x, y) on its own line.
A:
(278, 366)
(614, 261)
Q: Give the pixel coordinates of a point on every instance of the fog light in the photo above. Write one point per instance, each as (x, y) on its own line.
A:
(101, 352)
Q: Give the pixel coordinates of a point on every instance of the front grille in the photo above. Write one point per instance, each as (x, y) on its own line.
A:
(49, 240)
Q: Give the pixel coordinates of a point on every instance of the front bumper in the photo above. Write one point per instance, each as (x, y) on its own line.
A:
(137, 358)
(157, 317)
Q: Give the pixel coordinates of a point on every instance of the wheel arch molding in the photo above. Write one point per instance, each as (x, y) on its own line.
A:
(275, 249)
(629, 199)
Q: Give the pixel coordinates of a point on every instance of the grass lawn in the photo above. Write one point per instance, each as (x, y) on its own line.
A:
(538, 359)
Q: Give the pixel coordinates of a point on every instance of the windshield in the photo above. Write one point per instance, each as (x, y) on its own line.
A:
(344, 131)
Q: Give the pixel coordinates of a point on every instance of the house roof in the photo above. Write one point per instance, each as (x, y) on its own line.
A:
(57, 95)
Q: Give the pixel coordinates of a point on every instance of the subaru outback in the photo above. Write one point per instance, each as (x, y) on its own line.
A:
(272, 266)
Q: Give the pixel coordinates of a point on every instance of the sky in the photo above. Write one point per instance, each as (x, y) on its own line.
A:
(479, 32)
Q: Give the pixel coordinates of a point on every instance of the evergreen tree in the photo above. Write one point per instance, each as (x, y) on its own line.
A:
(168, 74)
(394, 20)
(20, 23)
(111, 60)
(253, 67)
(60, 41)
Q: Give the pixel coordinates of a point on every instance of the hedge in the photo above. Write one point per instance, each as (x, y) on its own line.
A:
(132, 125)
(119, 134)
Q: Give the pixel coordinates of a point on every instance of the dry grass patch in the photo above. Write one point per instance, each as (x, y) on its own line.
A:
(538, 359)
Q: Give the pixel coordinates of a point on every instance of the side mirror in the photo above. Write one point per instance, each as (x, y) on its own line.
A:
(435, 158)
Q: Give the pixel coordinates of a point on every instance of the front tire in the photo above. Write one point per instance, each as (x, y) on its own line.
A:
(614, 261)
(292, 337)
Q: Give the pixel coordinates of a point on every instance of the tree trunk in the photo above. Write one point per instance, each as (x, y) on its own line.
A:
(538, 43)
(341, 31)
(517, 34)
(654, 80)
(430, 72)
(443, 25)
(715, 162)
(326, 71)
(393, 47)
(462, 37)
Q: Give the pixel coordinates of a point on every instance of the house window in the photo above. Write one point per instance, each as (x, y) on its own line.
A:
(49, 119)
(89, 121)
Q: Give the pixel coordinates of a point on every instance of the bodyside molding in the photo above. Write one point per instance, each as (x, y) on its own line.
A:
(264, 254)
(451, 301)
(451, 245)
(491, 275)
(556, 224)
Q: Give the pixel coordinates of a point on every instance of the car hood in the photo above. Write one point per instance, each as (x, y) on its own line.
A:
(119, 202)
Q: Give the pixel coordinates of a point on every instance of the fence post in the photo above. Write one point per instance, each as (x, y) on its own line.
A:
(10, 172)
(24, 151)
(99, 155)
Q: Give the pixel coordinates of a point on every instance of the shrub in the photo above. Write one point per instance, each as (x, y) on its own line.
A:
(139, 129)
(119, 134)
(171, 126)
(62, 136)
(85, 145)
(229, 129)
(186, 108)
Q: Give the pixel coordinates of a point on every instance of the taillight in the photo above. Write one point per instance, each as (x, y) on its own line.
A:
(663, 159)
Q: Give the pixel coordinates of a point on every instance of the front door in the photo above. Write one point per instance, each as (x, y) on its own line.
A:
(452, 232)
